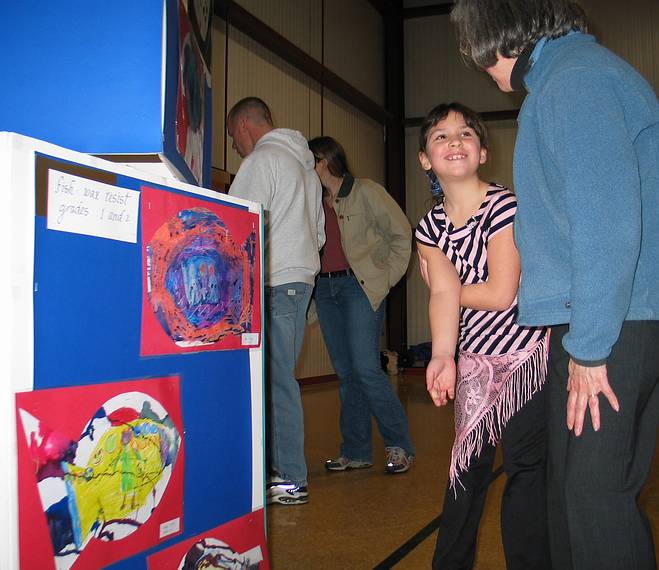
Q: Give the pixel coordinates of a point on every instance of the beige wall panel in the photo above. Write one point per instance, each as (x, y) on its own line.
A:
(254, 70)
(354, 45)
(435, 72)
(218, 61)
(417, 203)
(361, 137)
(299, 21)
(499, 165)
(315, 111)
(631, 30)
(418, 327)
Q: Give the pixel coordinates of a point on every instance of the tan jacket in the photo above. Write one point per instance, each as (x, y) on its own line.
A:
(375, 235)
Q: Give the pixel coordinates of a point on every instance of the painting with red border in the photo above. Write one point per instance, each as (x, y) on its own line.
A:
(201, 275)
(238, 544)
(192, 87)
(100, 472)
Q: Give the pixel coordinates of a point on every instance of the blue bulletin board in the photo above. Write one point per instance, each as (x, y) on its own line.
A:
(87, 322)
(84, 75)
(122, 77)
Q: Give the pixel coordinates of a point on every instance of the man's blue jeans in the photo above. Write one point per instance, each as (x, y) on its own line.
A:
(286, 308)
(351, 330)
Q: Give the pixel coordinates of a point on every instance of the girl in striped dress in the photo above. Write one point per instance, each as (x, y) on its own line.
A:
(470, 263)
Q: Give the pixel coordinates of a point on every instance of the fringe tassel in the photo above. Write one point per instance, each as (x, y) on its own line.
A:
(520, 386)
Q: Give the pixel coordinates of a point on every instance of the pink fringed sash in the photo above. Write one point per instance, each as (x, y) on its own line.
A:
(490, 389)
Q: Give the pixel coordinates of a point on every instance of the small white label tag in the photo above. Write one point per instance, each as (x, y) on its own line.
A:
(290, 292)
(249, 339)
(82, 206)
(170, 527)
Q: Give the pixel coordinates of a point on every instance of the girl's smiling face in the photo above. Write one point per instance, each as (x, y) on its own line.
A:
(453, 150)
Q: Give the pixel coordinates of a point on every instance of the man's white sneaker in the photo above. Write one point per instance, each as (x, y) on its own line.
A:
(284, 492)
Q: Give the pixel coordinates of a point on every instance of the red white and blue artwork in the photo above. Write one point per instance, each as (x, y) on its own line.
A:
(192, 80)
(100, 472)
(201, 266)
(236, 545)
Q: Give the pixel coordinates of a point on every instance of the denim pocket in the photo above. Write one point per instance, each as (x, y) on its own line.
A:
(283, 300)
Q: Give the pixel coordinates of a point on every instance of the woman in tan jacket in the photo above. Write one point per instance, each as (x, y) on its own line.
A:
(366, 253)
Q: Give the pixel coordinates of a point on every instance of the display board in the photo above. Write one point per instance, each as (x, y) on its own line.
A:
(133, 360)
(187, 131)
(124, 78)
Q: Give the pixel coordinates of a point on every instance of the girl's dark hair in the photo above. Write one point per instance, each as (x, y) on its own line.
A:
(488, 27)
(471, 117)
(332, 151)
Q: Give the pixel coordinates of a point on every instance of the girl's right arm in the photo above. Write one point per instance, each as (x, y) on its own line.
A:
(444, 315)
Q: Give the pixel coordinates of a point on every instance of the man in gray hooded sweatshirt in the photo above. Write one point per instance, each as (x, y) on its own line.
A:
(278, 171)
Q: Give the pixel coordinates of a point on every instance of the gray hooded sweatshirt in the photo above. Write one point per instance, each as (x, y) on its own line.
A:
(280, 174)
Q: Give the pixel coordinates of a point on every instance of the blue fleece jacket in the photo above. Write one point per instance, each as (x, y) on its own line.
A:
(587, 180)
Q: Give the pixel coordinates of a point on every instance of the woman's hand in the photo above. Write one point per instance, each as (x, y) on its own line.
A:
(584, 386)
(440, 379)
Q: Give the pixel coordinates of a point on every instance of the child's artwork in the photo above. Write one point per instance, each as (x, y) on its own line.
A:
(201, 275)
(200, 12)
(100, 471)
(236, 545)
(190, 128)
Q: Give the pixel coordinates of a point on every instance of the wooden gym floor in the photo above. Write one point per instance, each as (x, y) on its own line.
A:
(361, 519)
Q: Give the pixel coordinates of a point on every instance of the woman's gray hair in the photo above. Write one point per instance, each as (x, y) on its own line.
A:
(487, 28)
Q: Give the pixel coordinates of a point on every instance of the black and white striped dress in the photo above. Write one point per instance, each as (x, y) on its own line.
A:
(481, 332)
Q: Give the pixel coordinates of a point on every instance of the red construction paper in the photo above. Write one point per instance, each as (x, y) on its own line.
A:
(64, 419)
(244, 537)
(201, 275)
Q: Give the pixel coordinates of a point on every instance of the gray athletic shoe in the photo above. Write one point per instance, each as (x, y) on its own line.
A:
(398, 460)
(343, 464)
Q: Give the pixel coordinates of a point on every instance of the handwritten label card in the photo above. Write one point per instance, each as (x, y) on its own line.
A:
(82, 206)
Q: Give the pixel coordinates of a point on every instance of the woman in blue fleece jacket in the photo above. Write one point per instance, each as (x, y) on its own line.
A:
(586, 172)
